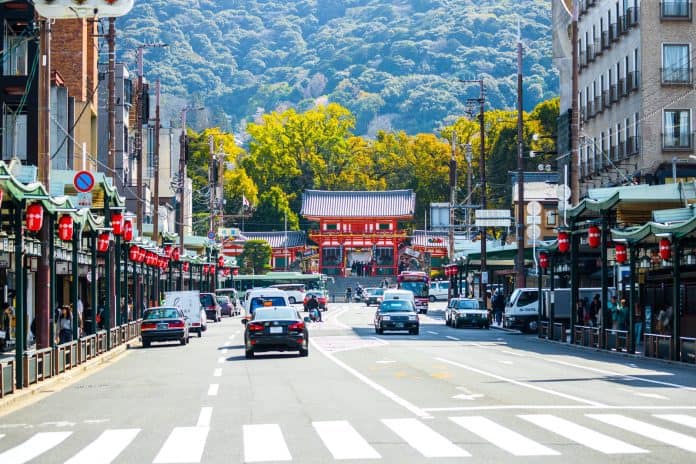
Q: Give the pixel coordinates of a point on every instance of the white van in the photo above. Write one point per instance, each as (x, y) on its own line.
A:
(397, 294)
(439, 290)
(189, 302)
(265, 296)
(296, 292)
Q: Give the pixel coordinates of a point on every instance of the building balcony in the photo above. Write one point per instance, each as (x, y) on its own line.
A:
(621, 150)
(632, 81)
(676, 10)
(597, 44)
(598, 104)
(632, 16)
(678, 142)
(582, 59)
(606, 40)
(613, 32)
(632, 145)
(614, 93)
(590, 53)
(612, 153)
(676, 75)
(606, 99)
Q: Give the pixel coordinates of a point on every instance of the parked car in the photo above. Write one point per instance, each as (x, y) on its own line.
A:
(467, 311)
(397, 315)
(373, 295)
(276, 328)
(163, 324)
(439, 290)
(226, 308)
(212, 308)
(322, 299)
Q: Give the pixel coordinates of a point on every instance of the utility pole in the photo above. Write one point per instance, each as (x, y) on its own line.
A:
(113, 255)
(140, 190)
(155, 166)
(521, 275)
(212, 180)
(469, 153)
(182, 187)
(574, 180)
(453, 195)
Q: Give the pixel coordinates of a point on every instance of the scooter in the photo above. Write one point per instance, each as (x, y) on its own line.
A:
(314, 314)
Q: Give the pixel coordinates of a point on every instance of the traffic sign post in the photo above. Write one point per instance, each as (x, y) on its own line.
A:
(83, 181)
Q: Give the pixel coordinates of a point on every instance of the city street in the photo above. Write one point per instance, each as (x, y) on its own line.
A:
(446, 395)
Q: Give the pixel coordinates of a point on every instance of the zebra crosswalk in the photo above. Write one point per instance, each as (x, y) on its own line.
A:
(517, 435)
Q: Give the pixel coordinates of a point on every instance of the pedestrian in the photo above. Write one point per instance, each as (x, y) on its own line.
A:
(595, 310)
(637, 322)
(611, 307)
(618, 316)
(664, 320)
(349, 292)
(65, 325)
(5, 321)
(580, 311)
(498, 307)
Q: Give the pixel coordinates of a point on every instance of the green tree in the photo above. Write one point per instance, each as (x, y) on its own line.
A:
(255, 257)
(271, 212)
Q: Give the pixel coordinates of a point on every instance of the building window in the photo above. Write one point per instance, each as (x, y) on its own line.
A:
(677, 130)
(676, 64)
(551, 218)
(384, 226)
(15, 51)
(331, 226)
(14, 135)
(675, 9)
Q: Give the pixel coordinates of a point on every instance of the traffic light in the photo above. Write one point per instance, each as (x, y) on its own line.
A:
(71, 9)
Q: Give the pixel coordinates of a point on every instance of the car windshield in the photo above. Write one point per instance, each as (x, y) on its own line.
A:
(375, 291)
(468, 304)
(260, 301)
(275, 314)
(161, 313)
(317, 293)
(223, 300)
(418, 288)
(396, 306)
(207, 299)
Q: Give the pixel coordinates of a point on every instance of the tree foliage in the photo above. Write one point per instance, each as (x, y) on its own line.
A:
(255, 257)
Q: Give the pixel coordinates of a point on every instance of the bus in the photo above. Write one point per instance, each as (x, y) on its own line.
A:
(243, 282)
(419, 284)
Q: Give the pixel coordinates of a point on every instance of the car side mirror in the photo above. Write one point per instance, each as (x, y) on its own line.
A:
(244, 321)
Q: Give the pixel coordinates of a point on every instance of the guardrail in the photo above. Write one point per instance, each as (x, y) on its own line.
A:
(658, 346)
(586, 335)
(687, 349)
(544, 330)
(45, 363)
(616, 339)
(558, 332)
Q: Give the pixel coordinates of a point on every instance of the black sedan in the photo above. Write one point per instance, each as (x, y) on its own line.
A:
(276, 328)
(162, 324)
(397, 315)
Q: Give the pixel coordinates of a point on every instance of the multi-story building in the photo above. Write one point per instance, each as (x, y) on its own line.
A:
(635, 89)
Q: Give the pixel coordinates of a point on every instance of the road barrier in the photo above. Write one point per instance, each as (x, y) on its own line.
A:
(544, 330)
(687, 349)
(586, 335)
(558, 332)
(658, 346)
(45, 363)
(616, 340)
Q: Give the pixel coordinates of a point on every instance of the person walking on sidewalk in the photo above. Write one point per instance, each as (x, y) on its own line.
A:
(65, 325)
(498, 307)
(5, 321)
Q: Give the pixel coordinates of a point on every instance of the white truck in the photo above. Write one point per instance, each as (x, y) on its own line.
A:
(189, 302)
(522, 308)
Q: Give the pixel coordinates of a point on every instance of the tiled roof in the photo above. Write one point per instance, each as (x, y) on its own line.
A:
(390, 203)
(277, 239)
(430, 239)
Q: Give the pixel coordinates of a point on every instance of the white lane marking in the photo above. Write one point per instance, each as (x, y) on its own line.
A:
(502, 361)
(217, 372)
(221, 359)
(385, 362)
(33, 447)
(95, 421)
(559, 407)
(204, 417)
(1, 435)
(265, 442)
(651, 395)
(451, 338)
(213, 389)
(424, 439)
(653, 432)
(184, 445)
(522, 384)
(582, 435)
(333, 318)
(503, 438)
(343, 441)
(105, 448)
(618, 374)
(433, 333)
(468, 397)
(681, 419)
(388, 393)
(223, 351)
(512, 353)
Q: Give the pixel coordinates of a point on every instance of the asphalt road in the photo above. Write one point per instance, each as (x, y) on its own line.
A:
(447, 395)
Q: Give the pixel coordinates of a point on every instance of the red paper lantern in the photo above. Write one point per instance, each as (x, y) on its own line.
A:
(226, 272)
(185, 267)
(665, 249)
(563, 242)
(544, 260)
(168, 250)
(141, 255)
(128, 230)
(65, 228)
(205, 269)
(176, 254)
(103, 242)
(117, 223)
(235, 272)
(594, 236)
(150, 258)
(221, 261)
(34, 217)
(211, 269)
(133, 253)
(620, 253)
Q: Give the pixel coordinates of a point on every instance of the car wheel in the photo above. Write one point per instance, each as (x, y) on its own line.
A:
(455, 324)
(487, 326)
(248, 354)
(432, 298)
(415, 331)
(379, 331)
(183, 340)
(146, 343)
(200, 333)
(291, 300)
(304, 352)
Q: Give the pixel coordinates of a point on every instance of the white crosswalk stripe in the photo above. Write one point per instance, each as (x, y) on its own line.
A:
(424, 439)
(681, 419)
(582, 435)
(33, 447)
(265, 442)
(653, 432)
(343, 441)
(184, 445)
(105, 448)
(504, 438)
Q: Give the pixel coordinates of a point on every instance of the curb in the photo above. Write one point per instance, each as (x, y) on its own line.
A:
(505, 329)
(38, 391)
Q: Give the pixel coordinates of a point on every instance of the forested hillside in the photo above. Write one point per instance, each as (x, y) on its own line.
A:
(395, 64)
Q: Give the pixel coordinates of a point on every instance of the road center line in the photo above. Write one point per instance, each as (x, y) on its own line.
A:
(433, 333)
(217, 372)
(452, 338)
(512, 353)
(221, 359)
(204, 417)
(213, 389)
(521, 383)
(388, 393)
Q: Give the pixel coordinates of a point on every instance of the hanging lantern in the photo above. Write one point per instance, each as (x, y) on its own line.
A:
(1, 194)
(34, 217)
(168, 250)
(594, 236)
(221, 261)
(563, 242)
(117, 223)
(185, 267)
(235, 272)
(65, 228)
(128, 230)
(665, 249)
(176, 254)
(103, 242)
(133, 253)
(620, 253)
(205, 269)
(141, 255)
(543, 260)
(226, 272)
(149, 258)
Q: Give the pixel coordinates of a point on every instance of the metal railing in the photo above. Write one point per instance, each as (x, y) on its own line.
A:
(544, 330)
(558, 332)
(7, 377)
(687, 349)
(616, 339)
(678, 142)
(657, 346)
(587, 336)
(676, 75)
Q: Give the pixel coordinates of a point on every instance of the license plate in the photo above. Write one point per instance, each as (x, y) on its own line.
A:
(163, 326)
(399, 324)
(276, 330)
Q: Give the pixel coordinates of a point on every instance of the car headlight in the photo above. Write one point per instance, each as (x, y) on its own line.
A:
(413, 318)
(386, 318)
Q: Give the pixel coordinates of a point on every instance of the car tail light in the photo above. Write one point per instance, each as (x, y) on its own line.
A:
(300, 340)
(255, 327)
(177, 324)
(147, 326)
(298, 326)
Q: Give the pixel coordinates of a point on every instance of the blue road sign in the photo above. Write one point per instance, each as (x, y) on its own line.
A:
(211, 235)
(83, 181)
